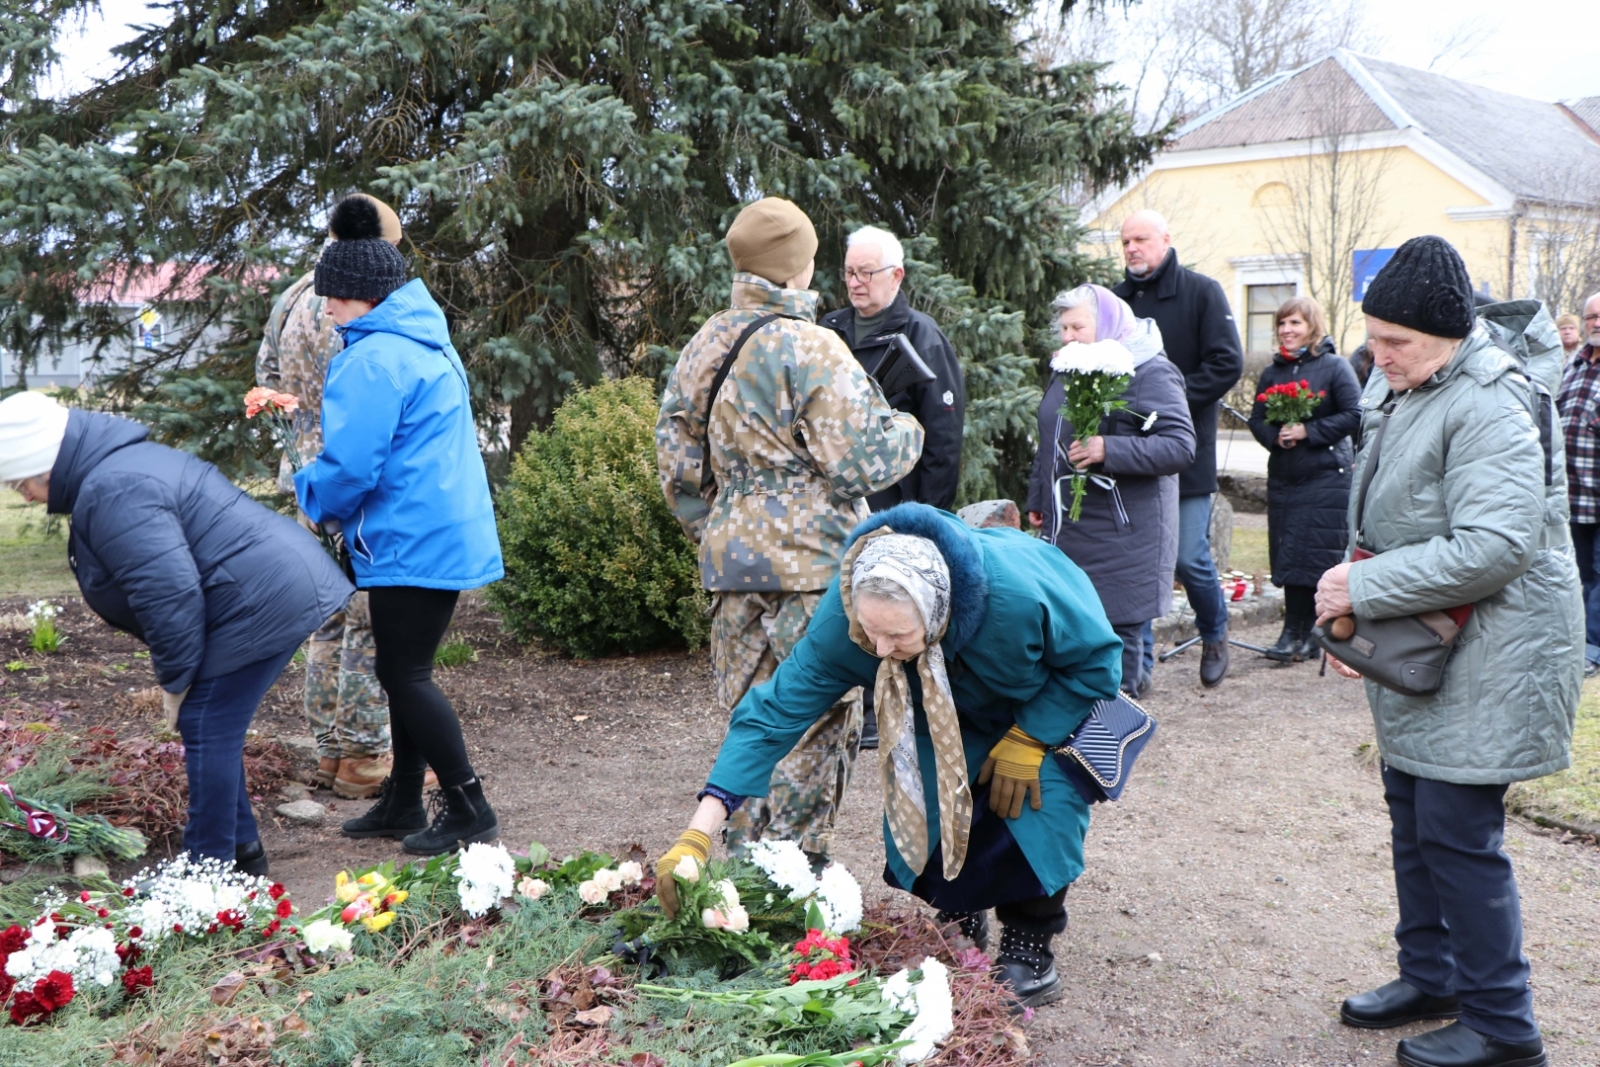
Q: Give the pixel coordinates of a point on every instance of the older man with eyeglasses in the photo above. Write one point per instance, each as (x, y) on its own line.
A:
(874, 268)
(1579, 403)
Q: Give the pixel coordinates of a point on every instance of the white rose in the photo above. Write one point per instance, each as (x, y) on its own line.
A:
(321, 936)
(688, 869)
(608, 879)
(738, 920)
(533, 888)
(729, 893)
(631, 872)
(591, 892)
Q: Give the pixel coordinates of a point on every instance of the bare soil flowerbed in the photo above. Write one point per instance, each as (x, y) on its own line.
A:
(1240, 890)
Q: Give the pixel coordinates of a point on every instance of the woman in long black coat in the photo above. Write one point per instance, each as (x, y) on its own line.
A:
(1308, 472)
(1126, 537)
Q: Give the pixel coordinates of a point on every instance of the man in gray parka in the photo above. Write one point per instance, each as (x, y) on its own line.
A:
(1467, 511)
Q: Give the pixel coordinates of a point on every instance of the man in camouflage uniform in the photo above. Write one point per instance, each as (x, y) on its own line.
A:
(345, 705)
(769, 476)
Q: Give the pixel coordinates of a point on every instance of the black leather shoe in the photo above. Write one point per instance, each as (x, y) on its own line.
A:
(1458, 1045)
(1395, 1004)
(974, 925)
(397, 813)
(1283, 650)
(869, 730)
(1028, 967)
(1213, 662)
(250, 858)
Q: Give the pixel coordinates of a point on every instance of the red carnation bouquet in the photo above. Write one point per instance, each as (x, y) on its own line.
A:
(1290, 403)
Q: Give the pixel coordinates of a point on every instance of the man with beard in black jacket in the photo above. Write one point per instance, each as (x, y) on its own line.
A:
(874, 267)
(1202, 340)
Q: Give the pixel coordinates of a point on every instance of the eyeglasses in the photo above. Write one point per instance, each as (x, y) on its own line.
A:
(850, 274)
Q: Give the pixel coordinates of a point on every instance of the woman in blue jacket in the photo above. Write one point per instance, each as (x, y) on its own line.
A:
(401, 477)
(167, 549)
(985, 647)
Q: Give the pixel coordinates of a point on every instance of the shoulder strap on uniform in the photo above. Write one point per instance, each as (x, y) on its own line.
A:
(733, 354)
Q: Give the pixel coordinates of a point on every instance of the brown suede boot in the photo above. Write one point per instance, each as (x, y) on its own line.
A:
(327, 770)
(360, 776)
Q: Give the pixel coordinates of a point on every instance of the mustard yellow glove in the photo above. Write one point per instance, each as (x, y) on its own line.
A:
(1014, 766)
(692, 845)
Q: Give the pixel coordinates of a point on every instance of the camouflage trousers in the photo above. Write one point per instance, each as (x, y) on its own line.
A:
(751, 633)
(347, 708)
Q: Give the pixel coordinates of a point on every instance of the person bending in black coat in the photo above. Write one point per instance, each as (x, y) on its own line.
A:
(1308, 471)
(168, 550)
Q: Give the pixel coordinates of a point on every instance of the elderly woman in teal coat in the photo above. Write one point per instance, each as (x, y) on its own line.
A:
(985, 649)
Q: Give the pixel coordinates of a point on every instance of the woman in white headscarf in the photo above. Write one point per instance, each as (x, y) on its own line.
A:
(986, 648)
(1126, 538)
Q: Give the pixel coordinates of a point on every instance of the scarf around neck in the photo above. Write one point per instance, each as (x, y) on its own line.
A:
(915, 565)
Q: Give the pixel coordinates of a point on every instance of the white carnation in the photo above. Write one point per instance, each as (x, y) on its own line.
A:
(322, 935)
(839, 898)
(934, 1008)
(1100, 357)
(786, 865)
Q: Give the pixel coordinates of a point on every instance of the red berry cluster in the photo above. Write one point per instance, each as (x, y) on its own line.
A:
(821, 958)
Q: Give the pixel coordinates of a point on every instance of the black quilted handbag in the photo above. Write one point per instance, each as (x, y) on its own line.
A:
(1098, 757)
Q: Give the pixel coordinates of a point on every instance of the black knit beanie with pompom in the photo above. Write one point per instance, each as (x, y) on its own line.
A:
(359, 264)
(1423, 286)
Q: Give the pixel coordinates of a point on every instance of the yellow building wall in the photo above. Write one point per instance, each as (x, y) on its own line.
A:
(1222, 212)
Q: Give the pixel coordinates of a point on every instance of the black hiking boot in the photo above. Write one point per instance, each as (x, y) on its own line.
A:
(397, 813)
(250, 858)
(463, 817)
(974, 925)
(1213, 662)
(1028, 967)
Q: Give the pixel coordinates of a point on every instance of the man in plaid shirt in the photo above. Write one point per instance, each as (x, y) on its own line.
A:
(1579, 403)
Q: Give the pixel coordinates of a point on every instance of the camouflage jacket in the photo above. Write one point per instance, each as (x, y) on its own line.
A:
(772, 477)
(296, 347)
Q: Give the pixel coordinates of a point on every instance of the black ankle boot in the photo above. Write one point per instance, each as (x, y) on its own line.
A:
(250, 858)
(1310, 648)
(397, 813)
(974, 925)
(1288, 641)
(1027, 965)
(463, 818)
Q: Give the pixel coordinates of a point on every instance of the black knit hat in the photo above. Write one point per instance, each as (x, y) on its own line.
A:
(1424, 286)
(359, 264)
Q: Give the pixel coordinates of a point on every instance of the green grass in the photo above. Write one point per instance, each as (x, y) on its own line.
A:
(1573, 796)
(455, 654)
(32, 562)
(1250, 551)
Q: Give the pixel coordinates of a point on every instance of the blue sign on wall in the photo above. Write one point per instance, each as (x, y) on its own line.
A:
(1365, 263)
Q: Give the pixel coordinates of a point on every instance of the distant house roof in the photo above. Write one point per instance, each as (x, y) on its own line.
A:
(1531, 148)
(1588, 111)
(169, 282)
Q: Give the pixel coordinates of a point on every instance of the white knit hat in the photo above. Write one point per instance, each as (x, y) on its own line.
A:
(31, 429)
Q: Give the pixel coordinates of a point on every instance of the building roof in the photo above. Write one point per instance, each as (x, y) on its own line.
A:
(1532, 148)
(1587, 110)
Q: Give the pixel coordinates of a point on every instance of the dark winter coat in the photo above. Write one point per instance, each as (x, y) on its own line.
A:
(1308, 486)
(1202, 340)
(1128, 553)
(940, 405)
(167, 549)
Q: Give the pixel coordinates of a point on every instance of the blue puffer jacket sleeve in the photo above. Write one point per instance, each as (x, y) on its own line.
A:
(147, 551)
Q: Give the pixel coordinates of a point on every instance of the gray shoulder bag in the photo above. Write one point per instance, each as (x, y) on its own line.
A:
(1407, 654)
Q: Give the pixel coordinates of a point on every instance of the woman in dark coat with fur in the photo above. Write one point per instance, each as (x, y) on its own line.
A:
(1308, 472)
(1126, 537)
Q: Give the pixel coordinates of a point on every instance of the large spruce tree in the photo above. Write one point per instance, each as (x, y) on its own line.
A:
(565, 170)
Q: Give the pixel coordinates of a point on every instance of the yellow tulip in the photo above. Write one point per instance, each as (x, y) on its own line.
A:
(378, 922)
(396, 898)
(344, 891)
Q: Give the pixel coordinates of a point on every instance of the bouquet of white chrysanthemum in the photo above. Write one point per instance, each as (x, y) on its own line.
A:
(487, 874)
(1093, 379)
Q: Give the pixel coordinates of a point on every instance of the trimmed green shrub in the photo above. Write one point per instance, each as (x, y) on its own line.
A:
(595, 562)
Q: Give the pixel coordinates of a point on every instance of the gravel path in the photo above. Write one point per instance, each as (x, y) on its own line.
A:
(1239, 891)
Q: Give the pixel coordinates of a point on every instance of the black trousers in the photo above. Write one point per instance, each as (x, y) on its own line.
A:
(1460, 929)
(1300, 605)
(407, 625)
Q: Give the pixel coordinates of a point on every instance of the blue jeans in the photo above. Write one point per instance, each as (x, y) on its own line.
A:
(1460, 929)
(213, 721)
(1586, 545)
(1196, 570)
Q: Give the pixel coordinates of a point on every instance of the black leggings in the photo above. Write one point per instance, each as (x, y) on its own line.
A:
(1041, 915)
(1300, 604)
(407, 625)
